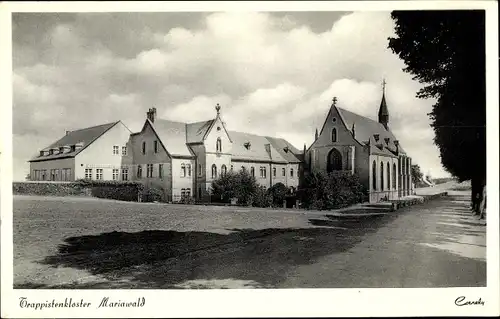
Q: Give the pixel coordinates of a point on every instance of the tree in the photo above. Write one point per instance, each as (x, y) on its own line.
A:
(241, 186)
(445, 50)
(416, 174)
(278, 193)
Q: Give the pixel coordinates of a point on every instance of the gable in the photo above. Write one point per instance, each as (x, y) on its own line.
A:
(172, 135)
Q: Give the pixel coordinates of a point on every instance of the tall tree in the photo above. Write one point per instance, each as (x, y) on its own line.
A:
(445, 51)
(416, 174)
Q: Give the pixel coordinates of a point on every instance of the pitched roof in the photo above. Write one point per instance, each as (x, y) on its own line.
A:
(172, 135)
(84, 137)
(365, 129)
(257, 150)
(286, 150)
(197, 130)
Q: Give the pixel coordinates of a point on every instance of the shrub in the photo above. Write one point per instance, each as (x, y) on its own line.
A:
(261, 198)
(241, 186)
(49, 189)
(278, 193)
(329, 191)
(152, 194)
(119, 190)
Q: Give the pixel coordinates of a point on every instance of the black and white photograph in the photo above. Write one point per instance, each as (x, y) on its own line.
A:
(272, 148)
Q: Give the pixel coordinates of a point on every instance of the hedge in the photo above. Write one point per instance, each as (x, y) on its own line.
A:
(119, 190)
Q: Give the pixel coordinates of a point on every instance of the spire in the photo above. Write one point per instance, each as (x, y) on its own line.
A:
(383, 112)
(316, 134)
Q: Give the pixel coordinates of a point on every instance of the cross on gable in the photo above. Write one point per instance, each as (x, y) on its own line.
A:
(334, 100)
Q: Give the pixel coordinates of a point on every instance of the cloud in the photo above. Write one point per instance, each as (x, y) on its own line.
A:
(272, 74)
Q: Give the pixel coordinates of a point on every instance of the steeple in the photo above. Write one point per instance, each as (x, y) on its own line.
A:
(383, 112)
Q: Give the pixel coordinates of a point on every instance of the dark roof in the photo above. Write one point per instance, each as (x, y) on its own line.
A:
(383, 110)
(197, 131)
(286, 150)
(172, 135)
(84, 137)
(365, 129)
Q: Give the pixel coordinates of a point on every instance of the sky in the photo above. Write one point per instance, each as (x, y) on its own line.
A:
(273, 73)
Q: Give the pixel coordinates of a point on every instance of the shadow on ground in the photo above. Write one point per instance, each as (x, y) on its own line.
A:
(163, 259)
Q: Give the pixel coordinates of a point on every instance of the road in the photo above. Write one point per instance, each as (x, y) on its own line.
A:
(98, 244)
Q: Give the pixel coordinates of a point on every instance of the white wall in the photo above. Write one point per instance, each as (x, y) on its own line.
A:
(99, 154)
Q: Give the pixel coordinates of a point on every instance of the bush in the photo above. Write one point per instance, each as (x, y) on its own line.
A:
(278, 193)
(119, 190)
(49, 189)
(152, 194)
(330, 191)
(241, 186)
(261, 198)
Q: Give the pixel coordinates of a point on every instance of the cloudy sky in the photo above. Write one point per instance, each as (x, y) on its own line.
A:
(272, 73)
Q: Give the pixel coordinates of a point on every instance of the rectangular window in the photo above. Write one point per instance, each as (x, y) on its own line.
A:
(124, 151)
(156, 146)
(98, 174)
(188, 192)
(124, 174)
(44, 174)
(88, 173)
(52, 174)
(274, 171)
(200, 170)
(58, 177)
(160, 170)
(115, 174)
(291, 172)
(149, 170)
(143, 148)
(283, 172)
(139, 171)
(264, 172)
(116, 150)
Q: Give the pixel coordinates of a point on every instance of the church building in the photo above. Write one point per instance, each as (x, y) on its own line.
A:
(359, 145)
(184, 158)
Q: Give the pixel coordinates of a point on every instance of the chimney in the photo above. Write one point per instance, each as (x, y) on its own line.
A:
(353, 130)
(151, 114)
(67, 132)
(305, 148)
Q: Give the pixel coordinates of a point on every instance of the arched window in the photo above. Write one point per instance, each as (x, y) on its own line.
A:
(388, 175)
(381, 176)
(218, 145)
(188, 166)
(183, 170)
(252, 171)
(139, 171)
(394, 176)
(214, 171)
(223, 169)
(374, 175)
(334, 161)
(334, 135)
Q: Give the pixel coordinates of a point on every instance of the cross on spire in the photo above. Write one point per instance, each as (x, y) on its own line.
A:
(383, 84)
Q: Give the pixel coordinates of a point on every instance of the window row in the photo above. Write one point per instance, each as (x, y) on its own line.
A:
(116, 150)
(98, 174)
(386, 183)
(58, 174)
(61, 150)
(155, 147)
(150, 171)
(262, 171)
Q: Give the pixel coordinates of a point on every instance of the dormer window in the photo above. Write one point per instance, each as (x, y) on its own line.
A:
(387, 140)
(396, 142)
(376, 136)
(73, 148)
(286, 149)
(51, 152)
(42, 153)
(247, 145)
(61, 149)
